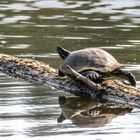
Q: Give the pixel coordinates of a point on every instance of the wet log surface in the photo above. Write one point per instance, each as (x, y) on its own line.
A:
(112, 90)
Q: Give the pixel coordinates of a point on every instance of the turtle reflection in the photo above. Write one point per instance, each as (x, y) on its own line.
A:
(84, 112)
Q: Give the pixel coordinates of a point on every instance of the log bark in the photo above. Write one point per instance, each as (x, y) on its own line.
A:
(111, 90)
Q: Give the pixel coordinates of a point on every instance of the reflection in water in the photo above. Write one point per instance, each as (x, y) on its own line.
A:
(33, 28)
(85, 113)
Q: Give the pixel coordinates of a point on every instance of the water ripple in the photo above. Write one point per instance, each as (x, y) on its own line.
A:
(33, 28)
(16, 7)
(14, 19)
(58, 4)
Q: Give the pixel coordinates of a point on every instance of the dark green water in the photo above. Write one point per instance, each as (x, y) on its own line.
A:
(33, 28)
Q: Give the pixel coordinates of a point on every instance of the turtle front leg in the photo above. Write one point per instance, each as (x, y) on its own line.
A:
(128, 75)
(81, 77)
(92, 75)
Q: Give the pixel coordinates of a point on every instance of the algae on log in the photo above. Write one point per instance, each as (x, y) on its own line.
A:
(111, 90)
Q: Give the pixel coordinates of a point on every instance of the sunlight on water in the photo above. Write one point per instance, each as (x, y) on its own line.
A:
(33, 28)
(14, 19)
(58, 4)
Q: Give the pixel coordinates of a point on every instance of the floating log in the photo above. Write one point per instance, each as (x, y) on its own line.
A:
(111, 90)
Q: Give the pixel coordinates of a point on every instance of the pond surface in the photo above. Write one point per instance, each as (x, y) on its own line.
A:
(33, 28)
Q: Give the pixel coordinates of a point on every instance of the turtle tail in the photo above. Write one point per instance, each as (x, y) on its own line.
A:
(62, 52)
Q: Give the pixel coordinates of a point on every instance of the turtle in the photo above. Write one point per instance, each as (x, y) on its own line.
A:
(93, 63)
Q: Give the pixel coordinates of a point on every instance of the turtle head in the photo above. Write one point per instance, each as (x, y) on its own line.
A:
(62, 52)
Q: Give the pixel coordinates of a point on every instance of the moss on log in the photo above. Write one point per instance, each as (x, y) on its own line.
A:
(111, 90)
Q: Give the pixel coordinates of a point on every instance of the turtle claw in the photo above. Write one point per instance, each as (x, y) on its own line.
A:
(92, 75)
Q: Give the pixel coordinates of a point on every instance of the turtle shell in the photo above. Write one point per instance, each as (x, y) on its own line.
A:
(90, 59)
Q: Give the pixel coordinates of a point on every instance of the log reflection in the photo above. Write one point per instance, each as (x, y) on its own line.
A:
(83, 112)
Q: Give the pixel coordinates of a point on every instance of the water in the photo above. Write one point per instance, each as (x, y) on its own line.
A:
(33, 28)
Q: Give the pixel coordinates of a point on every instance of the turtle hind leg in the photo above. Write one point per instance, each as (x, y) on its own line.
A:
(92, 75)
(62, 52)
(128, 75)
(60, 73)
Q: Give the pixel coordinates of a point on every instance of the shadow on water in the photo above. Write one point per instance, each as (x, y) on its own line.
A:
(85, 113)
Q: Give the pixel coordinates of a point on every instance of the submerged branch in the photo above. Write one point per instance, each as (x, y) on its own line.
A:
(110, 90)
